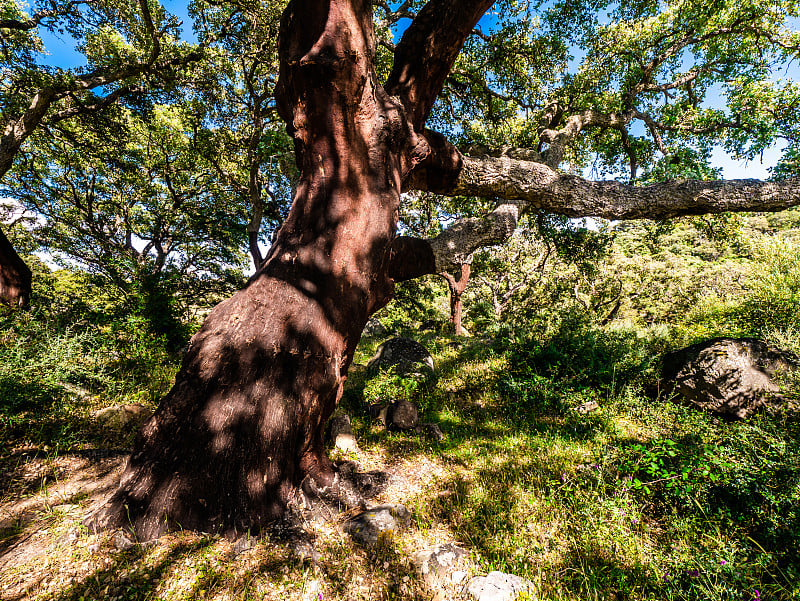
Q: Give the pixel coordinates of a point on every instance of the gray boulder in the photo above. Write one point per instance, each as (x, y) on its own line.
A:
(430, 431)
(377, 525)
(374, 328)
(406, 356)
(395, 415)
(728, 376)
(497, 586)
(441, 565)
(402, 415)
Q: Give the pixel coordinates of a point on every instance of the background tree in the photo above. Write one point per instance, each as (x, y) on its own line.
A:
(130, 48)
(245, 139)
(132, 200)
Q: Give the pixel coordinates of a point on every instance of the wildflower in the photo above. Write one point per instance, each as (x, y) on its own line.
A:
(319, 596)
(758, 595)
(692, 573)
(722, 562)
(666, 576)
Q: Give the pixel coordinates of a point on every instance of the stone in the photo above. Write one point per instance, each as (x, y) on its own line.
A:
(405, 356)
(587, 407)
(497, 586)
(339, 424)
(124, 417)
(438, 566)
(302, 547)
(377, 526)
(430, 431)
(346, 443)
(374, 328)
(730, 377)
(430, 324)
(121, 541)
(340, 431)
(402, 415)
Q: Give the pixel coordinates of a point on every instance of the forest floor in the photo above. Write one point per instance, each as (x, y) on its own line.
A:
(586, 506)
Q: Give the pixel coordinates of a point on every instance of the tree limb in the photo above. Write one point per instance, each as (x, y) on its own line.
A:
(525, 186)
(426, 53)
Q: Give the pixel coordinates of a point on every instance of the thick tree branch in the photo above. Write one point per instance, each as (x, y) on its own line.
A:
(525, 186)
(426, 53)
(538, 186)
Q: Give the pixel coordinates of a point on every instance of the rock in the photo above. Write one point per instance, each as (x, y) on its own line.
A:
(346, 443)
(339, 424)
(727, 376)
(587, 407)
(122, 542)
(379, 411)
(402, 415)
(341, 433)
(374, 328)
(408, 358)
(302, 547)
(497, 586)
(430, 324)
(377, 525)
(430, 431)
(124, 417)
(396, 415)
(438, 565)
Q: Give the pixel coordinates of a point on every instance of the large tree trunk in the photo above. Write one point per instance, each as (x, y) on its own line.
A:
(242, 429)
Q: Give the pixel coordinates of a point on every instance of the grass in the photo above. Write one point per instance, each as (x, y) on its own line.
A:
(641, 499)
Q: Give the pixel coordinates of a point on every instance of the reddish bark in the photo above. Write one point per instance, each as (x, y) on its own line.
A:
(457, 284)
(15, 276)
(242, 429)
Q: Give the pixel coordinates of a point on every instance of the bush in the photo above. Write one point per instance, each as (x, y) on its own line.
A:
(771, 304)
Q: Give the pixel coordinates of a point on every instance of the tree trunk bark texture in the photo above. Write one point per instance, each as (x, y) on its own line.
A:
(241, 431)
(457, 285)
(15, 276)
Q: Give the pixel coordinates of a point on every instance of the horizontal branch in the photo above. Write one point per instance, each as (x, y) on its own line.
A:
(540, 187)
(522, 186)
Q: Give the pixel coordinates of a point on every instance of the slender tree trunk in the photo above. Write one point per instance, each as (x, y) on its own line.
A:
(457, 285)
(15, 275)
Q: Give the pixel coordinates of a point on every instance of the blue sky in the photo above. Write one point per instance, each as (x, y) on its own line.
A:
(62, 54)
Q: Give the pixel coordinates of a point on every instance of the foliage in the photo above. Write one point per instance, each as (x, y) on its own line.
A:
(772, 300)
(72, 354)
(151, 221)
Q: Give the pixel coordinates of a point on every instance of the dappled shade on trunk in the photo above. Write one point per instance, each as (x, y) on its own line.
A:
(233, 442)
